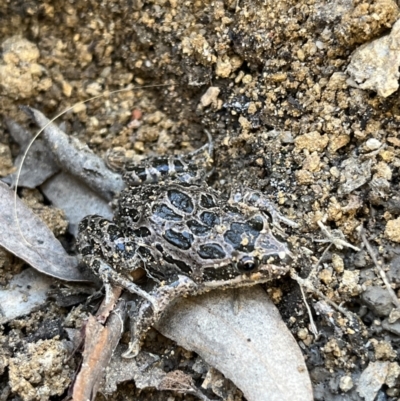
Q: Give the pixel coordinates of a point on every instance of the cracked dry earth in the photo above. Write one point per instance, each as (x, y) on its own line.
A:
(301, 106)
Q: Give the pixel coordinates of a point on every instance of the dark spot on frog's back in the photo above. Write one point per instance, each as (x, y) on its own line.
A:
(113, 231)
(257, 223)
(207, 201)
(178, 165)
(141, 173)
(166, 213)
(209, 219)
(239, 231)
(142, 232)
(211, 251)
(180, 200)
(181, 264)
(197, 228)
(161, 164)
(182, 240)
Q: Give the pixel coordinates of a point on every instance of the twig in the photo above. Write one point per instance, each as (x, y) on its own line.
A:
(385, 280)
(335, 237)
(312, 323)
(307, 284)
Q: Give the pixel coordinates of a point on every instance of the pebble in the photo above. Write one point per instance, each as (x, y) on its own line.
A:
(372, 144)
(392, 230)
(346, 383)
(378, 300)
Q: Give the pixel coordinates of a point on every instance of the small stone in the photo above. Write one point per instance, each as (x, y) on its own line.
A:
(325, 276)
(372, 379)
(94, 89)
(6, 163)
(349, 282)
(337, 263)
(392, 327)
(334, 172)
(304, 177)
(210, 97)
(375, 65)
(79, 107)
(312, 162)
(244, 122)
(278, 77)
(247, 79)
(393, 375)
(302, 334)
(337, 142)
(300, 55)
(66, 89)
(223, 68)
(346, 383)
(394, 315)
(354, 174)
(313, 142)
(378, 300)
(383, 171)
(392, 230)
(372, 144)
(383, 350)
(286, 137)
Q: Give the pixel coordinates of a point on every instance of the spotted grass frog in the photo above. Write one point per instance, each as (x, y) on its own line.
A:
(186, 236)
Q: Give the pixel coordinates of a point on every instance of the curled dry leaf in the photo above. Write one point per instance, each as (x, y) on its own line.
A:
(253, 347)
(77, 159)
(39, 163)
(38, 246)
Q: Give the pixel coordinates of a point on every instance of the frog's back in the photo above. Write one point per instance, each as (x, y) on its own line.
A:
(191, 229)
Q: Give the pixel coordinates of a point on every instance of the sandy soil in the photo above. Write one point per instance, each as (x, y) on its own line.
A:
(268, 79)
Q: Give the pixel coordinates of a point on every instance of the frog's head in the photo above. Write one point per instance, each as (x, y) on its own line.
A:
(251, 252)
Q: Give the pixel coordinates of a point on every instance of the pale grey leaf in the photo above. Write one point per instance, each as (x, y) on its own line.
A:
(26, 292)
(38, 246)
(252, 347)
(39, 163)
(77, 159)
(75, 199)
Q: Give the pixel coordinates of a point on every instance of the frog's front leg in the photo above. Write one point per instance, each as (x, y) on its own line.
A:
(148, 313)
(251, 198)
(109, 254)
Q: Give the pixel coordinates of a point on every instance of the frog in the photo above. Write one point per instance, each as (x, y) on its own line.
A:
(186, 236)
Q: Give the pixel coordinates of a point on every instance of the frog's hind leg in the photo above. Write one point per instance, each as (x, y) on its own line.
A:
(147, 313)
(190, 168)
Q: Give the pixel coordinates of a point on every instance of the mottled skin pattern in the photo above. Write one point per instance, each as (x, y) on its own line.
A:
(185, 235)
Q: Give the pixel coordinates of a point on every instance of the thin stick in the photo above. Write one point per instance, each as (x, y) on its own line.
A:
(312, 323)
(307, 284)
(50, 122)
(384, 278)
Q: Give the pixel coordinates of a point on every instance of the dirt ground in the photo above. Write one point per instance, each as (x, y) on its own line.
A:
(269, 80)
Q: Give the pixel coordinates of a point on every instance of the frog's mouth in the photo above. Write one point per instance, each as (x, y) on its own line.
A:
(262, 275)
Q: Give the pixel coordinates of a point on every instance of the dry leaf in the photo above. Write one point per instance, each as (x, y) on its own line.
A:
(77, 159)
(75, 199)
(39, 163)
(26, 292)
(253, 347)
(40, 248)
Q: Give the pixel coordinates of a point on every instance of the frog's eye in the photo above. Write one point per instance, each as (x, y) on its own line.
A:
(247, 264)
